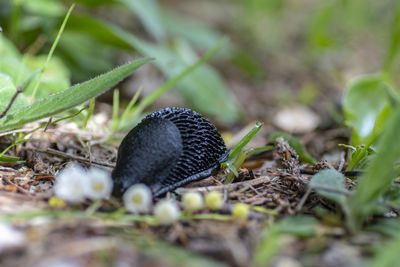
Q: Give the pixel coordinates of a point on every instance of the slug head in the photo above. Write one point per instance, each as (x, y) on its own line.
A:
(147, 155)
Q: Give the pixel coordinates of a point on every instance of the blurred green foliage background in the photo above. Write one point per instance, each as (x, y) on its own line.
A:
(280, 51)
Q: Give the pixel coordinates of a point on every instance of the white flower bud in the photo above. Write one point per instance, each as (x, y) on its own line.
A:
(98, 184)
(69, 184)
(138, 198)
(166, 212)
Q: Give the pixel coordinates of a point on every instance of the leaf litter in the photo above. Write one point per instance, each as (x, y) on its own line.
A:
(275, 189)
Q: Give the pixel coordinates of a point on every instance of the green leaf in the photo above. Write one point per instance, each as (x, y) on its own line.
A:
(203, 89)
(270, 241)
(366, 107)
(296, 145)
(301, 226)
(329, 179)
(149, 13)
(199, 34)
(68, 98)
(8, 159)
(54, 79)
(388, 255)
(379, 175)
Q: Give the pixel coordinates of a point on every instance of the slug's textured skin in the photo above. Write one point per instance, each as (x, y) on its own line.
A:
(169, 148)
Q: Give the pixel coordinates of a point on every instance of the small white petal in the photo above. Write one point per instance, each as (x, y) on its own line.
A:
(138, 198)
(166, 212)
(69, 184)
(98, 184)
(10, 237)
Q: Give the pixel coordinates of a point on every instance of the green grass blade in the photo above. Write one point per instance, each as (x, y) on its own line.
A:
(379, 175)
(68, 98)
(53, 47)
(246, 139)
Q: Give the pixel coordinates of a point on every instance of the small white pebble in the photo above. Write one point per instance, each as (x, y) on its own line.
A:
(98, 184)
(138, 198)
(192, 201)
(166, 212)
(10, 237)
(69, 184)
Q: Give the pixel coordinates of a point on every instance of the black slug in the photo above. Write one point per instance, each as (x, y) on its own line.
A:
(167, 149)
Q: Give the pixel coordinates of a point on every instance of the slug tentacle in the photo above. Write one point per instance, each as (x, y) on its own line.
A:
(169, 148)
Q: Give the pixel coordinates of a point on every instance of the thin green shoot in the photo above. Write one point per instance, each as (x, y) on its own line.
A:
(245, 140)
(8, 159)
(50, 54)
(116, 122)
(130, 106)
(114, 117)
(89, 113)
(259, 150)
(241, 157)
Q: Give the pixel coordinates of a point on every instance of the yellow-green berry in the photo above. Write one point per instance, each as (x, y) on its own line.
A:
(192, 201)
(240, 211)
(214, 200)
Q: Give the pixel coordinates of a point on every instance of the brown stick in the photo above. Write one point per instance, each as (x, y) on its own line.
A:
(19, 90)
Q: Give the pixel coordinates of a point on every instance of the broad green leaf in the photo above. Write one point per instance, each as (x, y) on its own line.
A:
(7, 91)
(97, 29)
(270, 241)
(296, 145)
(379, 175)
(203, 89)
(48, 8)
(20, 68)
(149, 13)
(388, 255)
(54, 79)
(68, 98)
(301, 226)
(366, 107)
(76, 49)
(388, 226)
(329, 179)
(198, 33)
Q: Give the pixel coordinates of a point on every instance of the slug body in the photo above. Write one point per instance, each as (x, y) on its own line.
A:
(167, 149)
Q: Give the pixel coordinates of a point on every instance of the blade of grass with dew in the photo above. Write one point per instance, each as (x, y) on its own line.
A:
(246, 139)
(68, 98)
(53, 47)
(378, 177)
